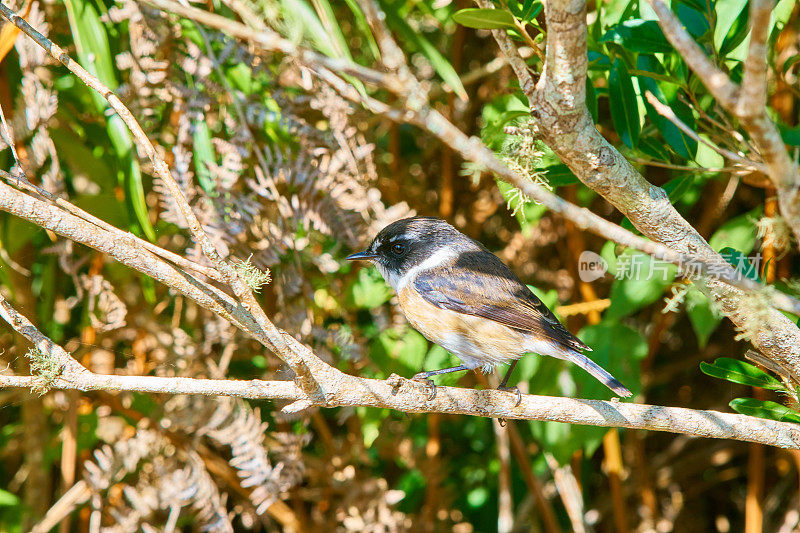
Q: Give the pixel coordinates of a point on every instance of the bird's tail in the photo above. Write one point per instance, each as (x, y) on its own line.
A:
(599, 372)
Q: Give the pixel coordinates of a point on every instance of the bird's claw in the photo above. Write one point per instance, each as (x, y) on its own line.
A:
(516, 391)
(421, 377)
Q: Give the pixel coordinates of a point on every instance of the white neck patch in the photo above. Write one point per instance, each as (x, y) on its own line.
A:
(398, 281)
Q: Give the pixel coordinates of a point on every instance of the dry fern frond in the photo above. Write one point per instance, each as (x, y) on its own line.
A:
(227, 422)
(106, 310)
(155, 477)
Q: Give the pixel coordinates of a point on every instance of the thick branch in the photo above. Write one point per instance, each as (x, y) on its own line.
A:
(748, 104)
(567, 128)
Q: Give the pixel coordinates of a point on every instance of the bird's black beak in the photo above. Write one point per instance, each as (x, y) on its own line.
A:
(361, 256)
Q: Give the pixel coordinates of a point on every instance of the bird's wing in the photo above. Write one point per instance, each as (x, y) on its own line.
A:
(478, 283)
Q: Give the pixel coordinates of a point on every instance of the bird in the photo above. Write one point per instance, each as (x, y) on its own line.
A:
(461, 296)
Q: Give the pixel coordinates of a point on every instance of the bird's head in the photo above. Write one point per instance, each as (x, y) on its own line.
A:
(410, 243)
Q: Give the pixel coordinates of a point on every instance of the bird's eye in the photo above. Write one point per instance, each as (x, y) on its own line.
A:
(398, 249)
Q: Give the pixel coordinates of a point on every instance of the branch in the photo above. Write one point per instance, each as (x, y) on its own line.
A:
(300, 359)
(24, 327)
(558, 104)
(473, 150)
(102, 224)
(412, 397)
(747, 104)
(753, 97)
(666, 111)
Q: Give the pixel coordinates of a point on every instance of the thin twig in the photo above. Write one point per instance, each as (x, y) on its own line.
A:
(667, 112)
(301, 360)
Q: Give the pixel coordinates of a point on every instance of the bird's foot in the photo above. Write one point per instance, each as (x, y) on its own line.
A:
(423, 378)
(515, 390)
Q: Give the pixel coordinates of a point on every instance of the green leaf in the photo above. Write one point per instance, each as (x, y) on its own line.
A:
(740, 372)
(667, 93)
(677, 187)
(624, 104)
(740, 262)
(363, 26)
(727, 14)
(484, 19)
(637, 35)
(642, 282)
(332, 27)
(121, 139)
(695, 20)
(790, 135)
(789, 63)
(703, 318)
(441, 65)
(203, 154)
(303, 20)
(94, 53)
(737, 33)
(532, 10)
(370, 290)
(560, 175)
(241, 77)
(765, 409)
(738, 233)
(8, 499)
(91, 42)
(402, 351)
(494, 131)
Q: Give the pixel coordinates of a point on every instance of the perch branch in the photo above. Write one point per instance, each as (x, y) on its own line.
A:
(408, 396)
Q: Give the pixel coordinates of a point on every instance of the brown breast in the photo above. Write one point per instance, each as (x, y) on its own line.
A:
(492, 341)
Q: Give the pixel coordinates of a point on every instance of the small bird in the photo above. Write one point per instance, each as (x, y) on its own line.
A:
(465, 299)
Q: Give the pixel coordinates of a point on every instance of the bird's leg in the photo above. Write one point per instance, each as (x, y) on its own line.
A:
(426, 377)
(503, 384)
